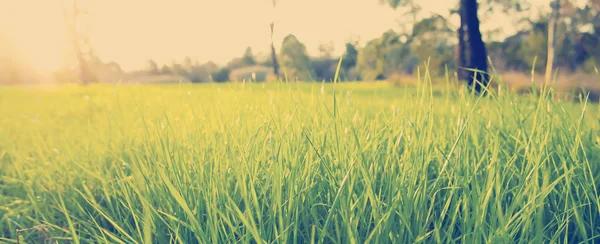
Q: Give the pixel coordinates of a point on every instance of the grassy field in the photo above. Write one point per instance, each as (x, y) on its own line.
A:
(292, 163)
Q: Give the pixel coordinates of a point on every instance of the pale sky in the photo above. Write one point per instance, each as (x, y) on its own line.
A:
(130, 32)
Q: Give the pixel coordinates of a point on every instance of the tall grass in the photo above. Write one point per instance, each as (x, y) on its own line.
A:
(296, 163)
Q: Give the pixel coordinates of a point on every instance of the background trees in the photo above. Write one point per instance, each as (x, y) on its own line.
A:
(421, 38)
(80, 43)
(472, 53)
(294, 59)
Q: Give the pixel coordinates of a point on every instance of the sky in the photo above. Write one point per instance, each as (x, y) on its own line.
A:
(130, 32)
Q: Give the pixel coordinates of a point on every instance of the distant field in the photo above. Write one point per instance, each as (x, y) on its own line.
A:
(292, 163)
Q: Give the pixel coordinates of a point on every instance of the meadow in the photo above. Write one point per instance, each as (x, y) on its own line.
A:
(296, 163)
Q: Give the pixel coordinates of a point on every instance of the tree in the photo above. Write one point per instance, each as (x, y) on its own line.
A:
(513, 52)
(429, 42)
(472, 50)
(178, 69)
(273, 52)
(198, 73)
(166, 70)
(385, 55)
(350, 56)
(295, 60)
(575, 48)
(472, 53)
(248, 57)
(552, 38)
(221, 75)
(326, 50)
(324, 68)
(188, 64)
(325, 65)
(246, 60)
(76, 38)
(115, 67)
(236, 63)
(152, 67)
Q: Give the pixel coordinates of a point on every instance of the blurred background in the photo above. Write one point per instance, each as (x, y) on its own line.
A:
(135, 41)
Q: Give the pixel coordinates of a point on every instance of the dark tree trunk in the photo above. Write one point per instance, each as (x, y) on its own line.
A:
(472, 51)
(274, 54)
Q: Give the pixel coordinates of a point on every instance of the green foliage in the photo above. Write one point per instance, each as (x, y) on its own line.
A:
(294, 60)
(248, 57)
(221, 75)
(431, 42)
(576, 45)
(376, 59)
(324, 68)
(535, 47)
(246, 60)
(295, 163)
(350, 57)
(591, 65)
(513, 53)
(396, 53)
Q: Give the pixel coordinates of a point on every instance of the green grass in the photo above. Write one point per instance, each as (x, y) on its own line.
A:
(292, 163)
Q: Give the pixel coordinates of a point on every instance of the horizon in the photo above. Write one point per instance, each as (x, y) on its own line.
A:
(130, 33)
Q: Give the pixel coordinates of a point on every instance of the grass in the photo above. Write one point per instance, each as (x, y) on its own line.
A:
(295, 163)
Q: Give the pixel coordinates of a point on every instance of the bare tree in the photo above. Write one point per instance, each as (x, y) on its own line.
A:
(85, 73)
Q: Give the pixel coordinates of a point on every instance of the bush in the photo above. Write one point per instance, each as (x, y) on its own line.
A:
(222, 75)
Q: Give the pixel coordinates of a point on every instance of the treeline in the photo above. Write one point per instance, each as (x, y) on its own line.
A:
(431, 41)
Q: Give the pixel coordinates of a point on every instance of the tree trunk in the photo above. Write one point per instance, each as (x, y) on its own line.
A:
(461, 53)
(274, 54)
(85, 75)
(552, 39)
(473, 52)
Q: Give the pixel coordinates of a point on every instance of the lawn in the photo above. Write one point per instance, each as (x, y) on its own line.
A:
(292, 163)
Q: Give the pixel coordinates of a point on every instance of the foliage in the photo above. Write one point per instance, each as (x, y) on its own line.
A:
(350, 57)
(576, 46)
(152, 67)
(373, 61)
(221, 75)
(294, 60)
(248, 57)
(428, 40)
(431, 42)
(324, 68)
